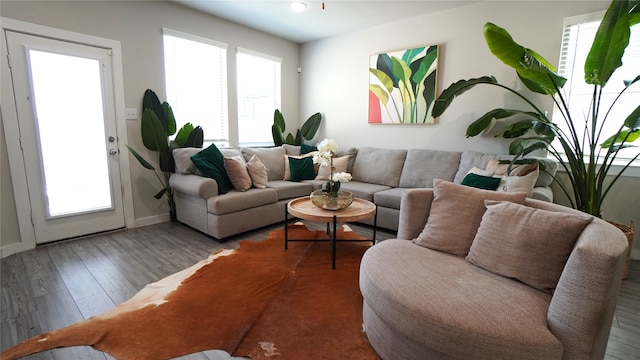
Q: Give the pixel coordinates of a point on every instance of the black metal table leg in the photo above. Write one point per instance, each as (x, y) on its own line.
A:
(286, 228)
(375, 225)
(333, 243)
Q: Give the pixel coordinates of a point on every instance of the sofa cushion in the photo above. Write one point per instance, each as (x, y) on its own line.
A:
(289, 189)
(363, 190)
(291, 149)
(524, 183)
(531, 245)
(182, 159)
(351, 152)
(441, 301)
(272, 158)
(456, 213)
(287, 165)
(388, 198)
(379, 166)
(481, 181)
(301, 168)
(340, 163)
(422, 166)
(496, 167)
(257, 172)
(237, 201)
(210, 162)
(237, 170)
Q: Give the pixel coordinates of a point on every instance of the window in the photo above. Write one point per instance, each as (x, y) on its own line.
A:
(579, 32)
(196, 81)
(258, 83)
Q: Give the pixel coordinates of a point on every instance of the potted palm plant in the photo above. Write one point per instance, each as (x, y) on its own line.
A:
(156, 126)
(586, 159)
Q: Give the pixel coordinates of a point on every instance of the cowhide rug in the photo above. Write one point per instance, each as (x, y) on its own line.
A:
(259, 301)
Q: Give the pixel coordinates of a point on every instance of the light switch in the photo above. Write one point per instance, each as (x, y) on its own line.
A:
(131, 113)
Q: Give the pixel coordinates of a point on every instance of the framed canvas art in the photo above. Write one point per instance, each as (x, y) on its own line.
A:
(402, 86)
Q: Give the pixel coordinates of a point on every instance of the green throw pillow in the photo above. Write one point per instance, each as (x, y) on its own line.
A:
(305, 149)
(210, 162)
(481, 181)
(302, 169)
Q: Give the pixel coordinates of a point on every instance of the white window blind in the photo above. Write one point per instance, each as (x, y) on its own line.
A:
(578, 35)
(196, 81)
(258, 83)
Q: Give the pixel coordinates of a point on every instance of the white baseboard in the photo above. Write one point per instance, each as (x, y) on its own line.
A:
(11, 249)
(151, 220)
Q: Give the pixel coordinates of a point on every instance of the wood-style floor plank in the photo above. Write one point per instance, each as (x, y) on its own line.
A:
(59, 284)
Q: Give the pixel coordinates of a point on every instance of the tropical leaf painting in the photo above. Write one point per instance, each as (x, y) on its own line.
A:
(402, 86)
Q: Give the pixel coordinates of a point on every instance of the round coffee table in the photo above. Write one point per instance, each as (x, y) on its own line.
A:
(304, 209)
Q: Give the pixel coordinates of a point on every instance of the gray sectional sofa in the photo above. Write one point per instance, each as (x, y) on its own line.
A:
(379, 175)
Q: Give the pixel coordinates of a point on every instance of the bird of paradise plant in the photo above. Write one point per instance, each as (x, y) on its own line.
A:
(403, 86)
(585, 158)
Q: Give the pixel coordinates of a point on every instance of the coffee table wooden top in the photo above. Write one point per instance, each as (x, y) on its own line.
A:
(304, 209)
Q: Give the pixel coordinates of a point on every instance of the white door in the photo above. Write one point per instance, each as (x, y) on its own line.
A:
(64, 102)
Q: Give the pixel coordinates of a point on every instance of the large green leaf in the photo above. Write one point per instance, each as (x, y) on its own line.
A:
(150, 101)
(140, 159)
(311, 126)
(523, 146)
(633, 120)
(170, 125)
(609, 44)
(458, 88)
(278, 120)
(278, 139)
(485, 120)
(528, 64)
(153, 133)
(196, 138)
(625, 135)
(183, 134)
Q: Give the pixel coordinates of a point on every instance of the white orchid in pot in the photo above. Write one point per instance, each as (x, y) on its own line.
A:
(330, 197)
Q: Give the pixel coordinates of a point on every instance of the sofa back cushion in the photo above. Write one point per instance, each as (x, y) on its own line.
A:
(422, 166)
(272, 158)
(511, 241)
(182, 159)
(379, 166)
(455, 215)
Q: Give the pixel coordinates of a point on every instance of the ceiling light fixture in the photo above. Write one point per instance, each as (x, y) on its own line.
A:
(298, 6)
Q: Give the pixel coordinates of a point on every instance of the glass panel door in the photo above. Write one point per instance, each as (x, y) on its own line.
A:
(70, 119)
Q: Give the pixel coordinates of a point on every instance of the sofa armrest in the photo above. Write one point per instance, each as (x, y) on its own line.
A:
(414, 211)
(194, 185)
(543, 193)
(584, 301)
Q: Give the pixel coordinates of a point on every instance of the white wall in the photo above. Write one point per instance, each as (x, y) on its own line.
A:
(335, 79)
(138, 26)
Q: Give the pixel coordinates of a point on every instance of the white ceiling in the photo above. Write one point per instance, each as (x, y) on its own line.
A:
(314, 22)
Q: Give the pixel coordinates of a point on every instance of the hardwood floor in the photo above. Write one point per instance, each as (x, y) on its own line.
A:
(56, 285)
